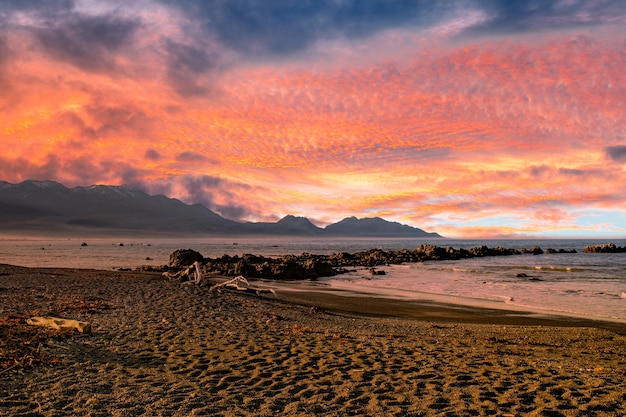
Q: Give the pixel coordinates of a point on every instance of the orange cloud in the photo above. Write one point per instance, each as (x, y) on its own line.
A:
(516, 128)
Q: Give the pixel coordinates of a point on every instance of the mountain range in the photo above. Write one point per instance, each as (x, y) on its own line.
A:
(47, 208)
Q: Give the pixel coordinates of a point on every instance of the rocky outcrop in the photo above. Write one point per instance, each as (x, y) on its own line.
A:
(605, 248)
(550, 250)
(308, 266)
(182, 258)
(288, 267)
(533, 251)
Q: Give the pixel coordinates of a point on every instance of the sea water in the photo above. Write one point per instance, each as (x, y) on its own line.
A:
(581, 284)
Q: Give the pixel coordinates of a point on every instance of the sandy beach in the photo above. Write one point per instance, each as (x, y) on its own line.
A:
(161, 348)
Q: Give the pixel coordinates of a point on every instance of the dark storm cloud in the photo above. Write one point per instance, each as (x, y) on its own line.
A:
(46, 8)
(524, 15)
(4, 50)
(186, 66)
(284, 26)
(616, 153)
(200, 189)
(538, 171)
(207, 189)
(233, 212)
(573, 172)
(76, 170)
(110, 120)
(546, 172)
(88, 42)
(197, 186)
(189, 157)
(153, 155)
(23, 168)
(261, 27)
(190, 59)
(5, 53)
(131, 175)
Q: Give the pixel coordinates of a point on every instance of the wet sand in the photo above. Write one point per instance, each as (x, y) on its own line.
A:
(161, 348)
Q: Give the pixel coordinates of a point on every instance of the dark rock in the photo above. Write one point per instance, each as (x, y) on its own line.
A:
(482, 251)
(534, 251)
(309, 266)
(318, 267)
(245, 268)
(550, 250)
(290, 270)
(435, 252)
(181, 258)
(604, 248)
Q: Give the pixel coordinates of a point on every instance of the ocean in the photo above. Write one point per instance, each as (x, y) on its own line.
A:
(591, 285)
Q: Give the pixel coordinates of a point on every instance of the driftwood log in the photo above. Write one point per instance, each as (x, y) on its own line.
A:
(239, 283)
(192, 274)
(60, 324)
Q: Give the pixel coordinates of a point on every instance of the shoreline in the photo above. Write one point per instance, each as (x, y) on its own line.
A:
(426, 306)
(160, 347)
(504, 278)
(418, 299)
(437, 308)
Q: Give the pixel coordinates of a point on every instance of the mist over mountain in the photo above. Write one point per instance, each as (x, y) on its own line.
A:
(47, 208)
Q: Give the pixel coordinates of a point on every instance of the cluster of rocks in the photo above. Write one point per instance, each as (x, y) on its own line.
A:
(288, 267)
(605, 248)
(308, 266)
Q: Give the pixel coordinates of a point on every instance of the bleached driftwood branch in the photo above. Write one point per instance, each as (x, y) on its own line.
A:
(239, 283)
(196, 272)
(192, 273)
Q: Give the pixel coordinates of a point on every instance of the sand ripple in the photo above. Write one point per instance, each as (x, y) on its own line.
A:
(172, 350)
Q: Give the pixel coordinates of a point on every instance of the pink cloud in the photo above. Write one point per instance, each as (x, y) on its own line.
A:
(517, 126)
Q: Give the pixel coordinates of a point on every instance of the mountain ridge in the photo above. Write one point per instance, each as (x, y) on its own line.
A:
(50, 208)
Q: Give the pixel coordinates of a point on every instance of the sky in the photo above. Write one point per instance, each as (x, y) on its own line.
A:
(473, 119)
